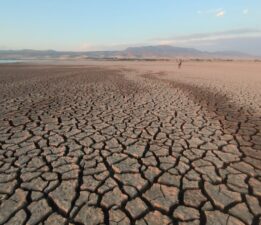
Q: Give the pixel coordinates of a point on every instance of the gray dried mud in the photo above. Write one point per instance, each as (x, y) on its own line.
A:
(97, 145)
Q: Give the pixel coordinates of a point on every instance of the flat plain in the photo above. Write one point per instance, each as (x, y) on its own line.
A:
(130, 143)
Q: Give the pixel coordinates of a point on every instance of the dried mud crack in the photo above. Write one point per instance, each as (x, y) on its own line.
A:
(92, 145)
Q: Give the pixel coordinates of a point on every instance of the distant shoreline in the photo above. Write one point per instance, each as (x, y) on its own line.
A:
(15, 61)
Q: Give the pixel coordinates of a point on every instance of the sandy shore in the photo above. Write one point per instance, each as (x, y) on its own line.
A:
(101, 142)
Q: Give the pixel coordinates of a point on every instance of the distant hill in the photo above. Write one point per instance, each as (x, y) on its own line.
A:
(161, 51)
(148, 52)
(167, 51)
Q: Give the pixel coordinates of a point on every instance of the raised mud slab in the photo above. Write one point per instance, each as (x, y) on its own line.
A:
(97, 145)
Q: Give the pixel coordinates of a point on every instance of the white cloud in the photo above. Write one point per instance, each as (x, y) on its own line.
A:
(209, 37)
(87, 46)
(3, 47)
(203, 41)
(245, 40)
(220, 13)
(217, 12)
(245, 11)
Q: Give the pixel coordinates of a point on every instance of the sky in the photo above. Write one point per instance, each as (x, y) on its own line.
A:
(87, 25)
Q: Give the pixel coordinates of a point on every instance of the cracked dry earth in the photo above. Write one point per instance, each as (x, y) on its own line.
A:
(90, 145)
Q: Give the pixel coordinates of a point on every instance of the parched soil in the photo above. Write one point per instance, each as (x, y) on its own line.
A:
(114, 145)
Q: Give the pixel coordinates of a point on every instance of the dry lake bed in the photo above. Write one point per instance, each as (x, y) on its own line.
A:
(130, 143)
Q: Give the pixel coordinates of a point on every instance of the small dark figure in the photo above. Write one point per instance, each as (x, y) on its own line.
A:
(180, 63)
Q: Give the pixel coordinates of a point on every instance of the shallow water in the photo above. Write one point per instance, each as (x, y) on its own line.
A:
(3, 61)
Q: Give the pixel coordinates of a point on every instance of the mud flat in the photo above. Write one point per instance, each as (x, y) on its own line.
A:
(130, 143)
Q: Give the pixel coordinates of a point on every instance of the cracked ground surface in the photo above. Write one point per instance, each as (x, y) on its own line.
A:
(95, 145)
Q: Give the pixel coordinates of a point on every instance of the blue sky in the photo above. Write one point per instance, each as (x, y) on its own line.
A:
(115, 24)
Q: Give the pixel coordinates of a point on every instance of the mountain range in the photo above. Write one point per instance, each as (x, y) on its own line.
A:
(144, 52)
